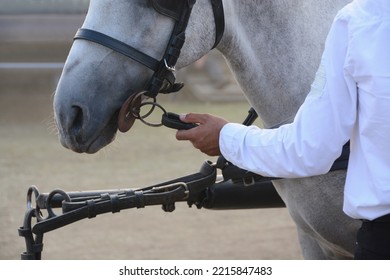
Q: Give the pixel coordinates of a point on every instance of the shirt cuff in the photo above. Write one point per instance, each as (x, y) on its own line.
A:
(230, 138)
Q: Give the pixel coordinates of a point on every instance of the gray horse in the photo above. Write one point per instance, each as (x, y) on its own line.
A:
(273, 48)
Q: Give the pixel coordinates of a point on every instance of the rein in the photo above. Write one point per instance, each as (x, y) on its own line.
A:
(163, 79)
(89, 204)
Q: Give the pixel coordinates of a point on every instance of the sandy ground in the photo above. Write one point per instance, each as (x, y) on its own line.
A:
(31, 155)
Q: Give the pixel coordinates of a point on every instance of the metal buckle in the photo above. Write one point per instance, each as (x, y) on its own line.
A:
(173, 186)
(170, 68)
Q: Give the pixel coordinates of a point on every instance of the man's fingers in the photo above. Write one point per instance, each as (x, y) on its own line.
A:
(205, 136)
(185, 134)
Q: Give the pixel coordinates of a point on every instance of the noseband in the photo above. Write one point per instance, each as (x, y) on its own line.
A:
(163, 79)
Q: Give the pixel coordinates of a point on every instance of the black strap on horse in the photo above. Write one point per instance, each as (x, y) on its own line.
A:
(163, 79)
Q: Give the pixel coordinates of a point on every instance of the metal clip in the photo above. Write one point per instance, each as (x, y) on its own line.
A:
(170, 68)
(248, 181)
(167, 188)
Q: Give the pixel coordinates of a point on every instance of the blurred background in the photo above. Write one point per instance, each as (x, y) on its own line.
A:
(35, 37)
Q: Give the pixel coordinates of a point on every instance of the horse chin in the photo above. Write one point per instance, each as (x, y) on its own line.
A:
(103, 140)
(99, 143)
(91, 147)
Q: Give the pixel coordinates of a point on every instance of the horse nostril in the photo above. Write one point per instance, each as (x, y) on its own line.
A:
(78, 119)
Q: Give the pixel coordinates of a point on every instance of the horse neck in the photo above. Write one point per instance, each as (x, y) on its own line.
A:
(274, 51)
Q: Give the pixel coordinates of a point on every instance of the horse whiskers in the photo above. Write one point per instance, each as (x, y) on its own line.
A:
(51, 124)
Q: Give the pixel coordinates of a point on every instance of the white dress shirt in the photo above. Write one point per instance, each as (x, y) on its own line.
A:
(349, 99)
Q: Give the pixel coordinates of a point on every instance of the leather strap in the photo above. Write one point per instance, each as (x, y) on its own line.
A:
(118, 46)
(163, 79)
(219, 18)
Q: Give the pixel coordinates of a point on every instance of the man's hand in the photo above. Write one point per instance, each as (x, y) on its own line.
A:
(205, 136)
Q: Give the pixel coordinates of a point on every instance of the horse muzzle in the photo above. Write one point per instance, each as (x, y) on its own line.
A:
(82, 134)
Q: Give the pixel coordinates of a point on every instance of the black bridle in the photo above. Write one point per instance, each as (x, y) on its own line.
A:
(163, 79)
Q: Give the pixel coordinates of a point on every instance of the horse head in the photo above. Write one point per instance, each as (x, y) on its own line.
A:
(99, 74)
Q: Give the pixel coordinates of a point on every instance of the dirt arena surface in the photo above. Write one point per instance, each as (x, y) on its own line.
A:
(30, 154)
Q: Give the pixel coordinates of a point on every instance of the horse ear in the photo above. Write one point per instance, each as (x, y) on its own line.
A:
(169, 8)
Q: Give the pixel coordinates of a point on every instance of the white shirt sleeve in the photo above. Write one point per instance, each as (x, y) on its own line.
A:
(324, 122)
